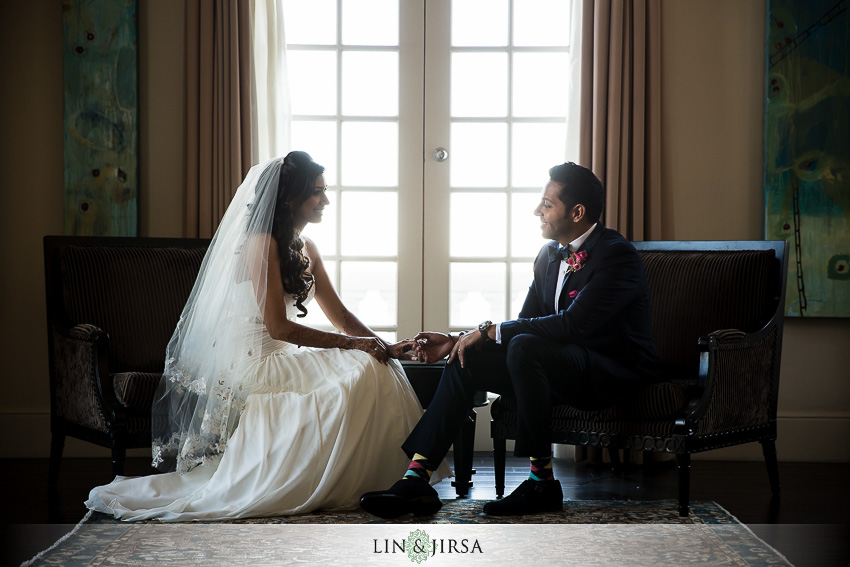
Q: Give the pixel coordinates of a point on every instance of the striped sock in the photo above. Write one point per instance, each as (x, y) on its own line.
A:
(419, 468)
(541, 469)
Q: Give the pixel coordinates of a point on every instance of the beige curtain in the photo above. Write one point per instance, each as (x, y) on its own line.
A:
(620, 124)
(219, 149)
(621, 110)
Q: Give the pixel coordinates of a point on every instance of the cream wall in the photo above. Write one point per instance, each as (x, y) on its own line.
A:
(31, 182)
(712, 101)
(712, 64)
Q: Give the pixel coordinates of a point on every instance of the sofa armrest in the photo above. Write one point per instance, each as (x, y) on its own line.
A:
(81, 385)
(737, 381)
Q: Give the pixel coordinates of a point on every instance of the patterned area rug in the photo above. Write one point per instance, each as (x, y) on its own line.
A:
(466, 511)
(593, 532)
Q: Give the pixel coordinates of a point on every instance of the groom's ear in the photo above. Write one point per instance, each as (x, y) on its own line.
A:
(578, 212)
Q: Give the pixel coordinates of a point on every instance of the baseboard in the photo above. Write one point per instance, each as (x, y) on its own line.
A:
(800, 438)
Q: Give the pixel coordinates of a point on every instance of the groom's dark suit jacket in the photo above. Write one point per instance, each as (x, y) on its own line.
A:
(609, 314)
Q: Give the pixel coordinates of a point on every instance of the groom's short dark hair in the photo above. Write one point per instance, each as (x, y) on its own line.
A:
(579, 185)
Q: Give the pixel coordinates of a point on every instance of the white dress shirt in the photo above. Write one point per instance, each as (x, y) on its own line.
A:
(562, 274)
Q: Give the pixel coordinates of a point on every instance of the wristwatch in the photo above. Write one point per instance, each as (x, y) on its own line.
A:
(483, 328)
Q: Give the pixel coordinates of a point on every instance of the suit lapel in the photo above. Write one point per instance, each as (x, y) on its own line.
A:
(570, 279)
(551, 281)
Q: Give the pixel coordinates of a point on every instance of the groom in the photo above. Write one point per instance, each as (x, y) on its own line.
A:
(583, 338)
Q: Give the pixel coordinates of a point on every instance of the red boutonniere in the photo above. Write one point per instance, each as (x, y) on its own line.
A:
(573, 294)
(576, 261)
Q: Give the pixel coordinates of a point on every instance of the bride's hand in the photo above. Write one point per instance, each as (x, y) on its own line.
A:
(403, 350)
(371, 345)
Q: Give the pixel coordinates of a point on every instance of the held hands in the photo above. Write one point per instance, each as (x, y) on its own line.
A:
(431, 347)
(403, 350)
(434, 346)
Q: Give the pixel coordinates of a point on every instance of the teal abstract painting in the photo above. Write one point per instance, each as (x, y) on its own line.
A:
(807, 150)
(100, 117)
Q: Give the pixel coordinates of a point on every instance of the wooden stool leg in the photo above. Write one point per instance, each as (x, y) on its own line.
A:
(464, 446)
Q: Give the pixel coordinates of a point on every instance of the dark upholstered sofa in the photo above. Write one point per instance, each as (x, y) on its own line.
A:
(717, 318)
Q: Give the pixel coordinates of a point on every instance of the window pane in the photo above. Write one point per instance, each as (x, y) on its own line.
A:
(526, 238)
(480, 22)
(477, 293)
(369, 22)
(542, 22)
(315, 316)
(536, 148)
(479, 84)
(522, 274)
(312, 75)
(540, 84)
(370, 154)
(317, 138)
(370, 291)
(324, 233)
(369, 223)
(389, 336)
(369, 83)
(471, 213)
(479, 155)
(310, 23)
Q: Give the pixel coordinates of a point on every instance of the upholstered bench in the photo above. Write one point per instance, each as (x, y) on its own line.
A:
(717, 316)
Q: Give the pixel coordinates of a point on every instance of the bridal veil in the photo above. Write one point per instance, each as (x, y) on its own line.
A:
(201, 396)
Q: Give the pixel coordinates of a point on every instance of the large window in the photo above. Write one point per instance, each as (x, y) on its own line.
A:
(417, 237)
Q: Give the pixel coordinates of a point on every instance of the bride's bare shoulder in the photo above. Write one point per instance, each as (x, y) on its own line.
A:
(310, 248)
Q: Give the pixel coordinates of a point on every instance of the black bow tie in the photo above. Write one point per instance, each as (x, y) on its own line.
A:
(559, 253)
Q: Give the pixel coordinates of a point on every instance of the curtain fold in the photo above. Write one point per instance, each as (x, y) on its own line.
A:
(272, 112)
(620, 124)
(218, 109)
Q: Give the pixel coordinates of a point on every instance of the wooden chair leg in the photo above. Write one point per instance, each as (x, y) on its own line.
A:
(768, 447)
(119, 457)
(614, 455)
(499, 450)
(683, 467)
(57, 446)
(464, 446)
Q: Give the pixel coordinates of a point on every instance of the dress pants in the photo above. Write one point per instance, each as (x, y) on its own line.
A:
(538, 373)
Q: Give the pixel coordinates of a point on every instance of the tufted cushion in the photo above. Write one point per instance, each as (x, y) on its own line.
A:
(696, 293)
(135, 390)
(135, 294)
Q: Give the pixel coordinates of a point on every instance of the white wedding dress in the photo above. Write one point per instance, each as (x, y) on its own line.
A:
(320, 427)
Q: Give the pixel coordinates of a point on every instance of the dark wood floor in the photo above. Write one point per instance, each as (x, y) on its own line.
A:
(809, 522)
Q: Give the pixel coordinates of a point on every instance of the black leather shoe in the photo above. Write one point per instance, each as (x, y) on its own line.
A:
(530, 497)
(407, 496)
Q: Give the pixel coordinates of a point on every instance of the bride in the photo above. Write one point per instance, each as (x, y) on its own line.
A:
(256, 414)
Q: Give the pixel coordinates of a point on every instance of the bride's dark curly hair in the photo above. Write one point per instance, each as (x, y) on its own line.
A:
(297, 182)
